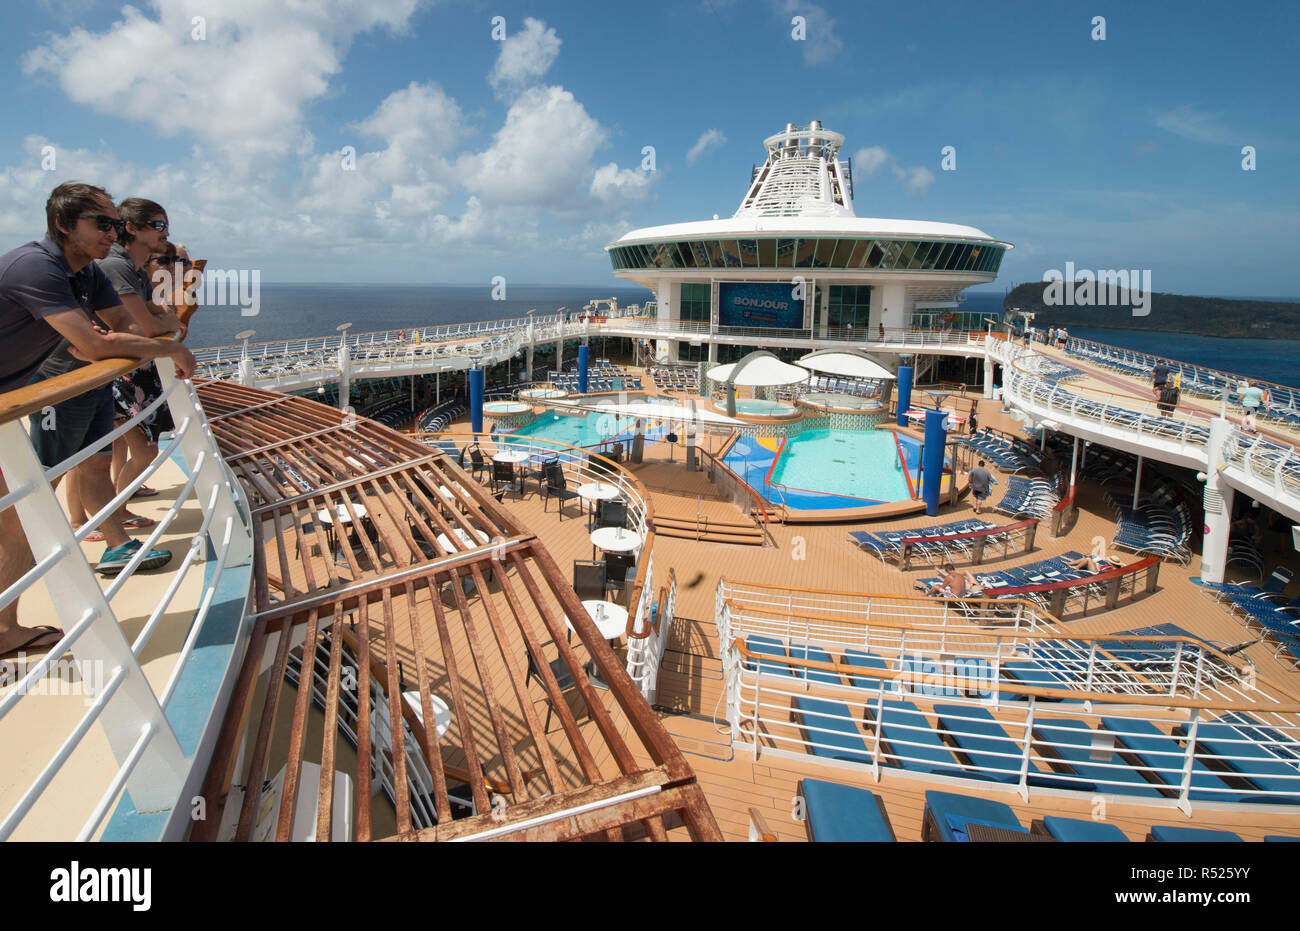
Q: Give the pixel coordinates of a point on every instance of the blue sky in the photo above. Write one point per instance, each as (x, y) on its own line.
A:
(522, 158)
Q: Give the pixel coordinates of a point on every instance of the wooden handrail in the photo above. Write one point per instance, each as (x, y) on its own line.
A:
(32, 398)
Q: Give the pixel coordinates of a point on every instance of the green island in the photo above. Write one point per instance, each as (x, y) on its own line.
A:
(1170, 313)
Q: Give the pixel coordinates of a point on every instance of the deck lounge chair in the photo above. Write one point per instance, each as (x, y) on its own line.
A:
(868, 661)
(1076, 830)
(913, 743)
(1162, 755)
(1164, 833)
(816, 655)
(831, 724)
(989, 749)
(839, 813)
(1072, 741)
(948, 815)
(1225, 747)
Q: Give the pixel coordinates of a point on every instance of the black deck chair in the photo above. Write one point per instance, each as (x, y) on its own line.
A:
(589, 579)
(611, 514)
(556, 487)
(503, 473)
(620, 573)
(477, 463)
(563, 678)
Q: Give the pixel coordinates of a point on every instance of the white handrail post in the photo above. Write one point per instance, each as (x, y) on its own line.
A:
(213, 472)
(75, 592)
(1189, 757)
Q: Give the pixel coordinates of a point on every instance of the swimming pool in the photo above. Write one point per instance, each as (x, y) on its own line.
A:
(576, 430)
(827, 469)
(756, 407)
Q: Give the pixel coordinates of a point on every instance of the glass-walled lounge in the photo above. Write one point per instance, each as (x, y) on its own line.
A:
(883, 254)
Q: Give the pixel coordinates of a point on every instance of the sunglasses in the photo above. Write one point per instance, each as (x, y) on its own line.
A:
(165, 260)
(159, 225)
(105, 223)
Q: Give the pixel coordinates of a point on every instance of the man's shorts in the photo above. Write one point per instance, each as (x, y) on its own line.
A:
(73, 425)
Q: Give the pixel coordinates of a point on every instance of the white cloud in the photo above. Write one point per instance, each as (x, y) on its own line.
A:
(257, 188)
(916, 180)
(712, 139)
(868, 161)
(240, 91)
(525, 57)
(612, 184)
(822, 42)
(1190, 123)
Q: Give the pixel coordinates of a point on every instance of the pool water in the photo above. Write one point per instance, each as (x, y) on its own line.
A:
(852, 463)
(826, 469)
(588, 430)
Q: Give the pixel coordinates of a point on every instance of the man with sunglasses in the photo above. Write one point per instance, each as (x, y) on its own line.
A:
(145, 231)
(48, 293)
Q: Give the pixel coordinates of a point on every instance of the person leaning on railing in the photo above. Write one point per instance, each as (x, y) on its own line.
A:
(49, 291)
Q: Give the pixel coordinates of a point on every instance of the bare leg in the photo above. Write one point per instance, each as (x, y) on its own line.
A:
(119, 457)
(97, 491)
(141, 453)
(15, 560)
(76, 507)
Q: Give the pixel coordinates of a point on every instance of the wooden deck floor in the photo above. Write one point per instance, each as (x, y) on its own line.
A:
(821, 556)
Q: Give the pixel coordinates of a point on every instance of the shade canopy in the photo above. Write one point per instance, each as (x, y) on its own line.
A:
(846, 363)
(759, 371)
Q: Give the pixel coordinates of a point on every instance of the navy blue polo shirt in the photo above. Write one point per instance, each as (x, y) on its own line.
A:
(36, 281)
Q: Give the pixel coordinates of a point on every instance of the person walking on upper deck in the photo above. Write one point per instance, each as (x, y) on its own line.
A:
(1252, 398)
(48, 293)
(981, 483)
(1159, 374)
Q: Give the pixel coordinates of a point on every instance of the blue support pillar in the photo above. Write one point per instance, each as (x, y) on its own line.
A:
(583, 353)
(936, 441)
(904, 393)
(476, 400)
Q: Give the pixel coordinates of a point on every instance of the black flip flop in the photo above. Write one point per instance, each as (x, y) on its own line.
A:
(43, 631)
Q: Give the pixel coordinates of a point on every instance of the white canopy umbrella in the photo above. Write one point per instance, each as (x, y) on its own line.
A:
(848, 364)
(763, 371)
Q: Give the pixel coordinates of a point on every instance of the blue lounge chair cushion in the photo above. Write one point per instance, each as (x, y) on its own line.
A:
(1283, 838)
(909, 734)
(839, 813)
(949, 808)
(867, 661)
(766, 646)
(1076, 830)
(1071, 740)
(1167, 834)
(1163, 756)
(834, 727)
(817, 655)
(1264, 769)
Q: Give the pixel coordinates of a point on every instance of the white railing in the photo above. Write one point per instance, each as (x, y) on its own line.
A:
(150, 764)
(805, 695)
(645, 652)
(1274, 466)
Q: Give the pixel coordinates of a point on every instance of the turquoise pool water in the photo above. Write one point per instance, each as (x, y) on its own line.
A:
(587, 430)
(852, 463)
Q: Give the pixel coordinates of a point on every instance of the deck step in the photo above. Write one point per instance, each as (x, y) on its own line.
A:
(669, 520)
(752, 537)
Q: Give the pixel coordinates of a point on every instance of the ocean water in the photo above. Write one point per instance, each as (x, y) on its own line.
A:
(291, 311)
(1275, 360)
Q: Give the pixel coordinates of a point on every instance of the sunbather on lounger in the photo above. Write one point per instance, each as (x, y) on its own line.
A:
(1092, 564)
(955, 584)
